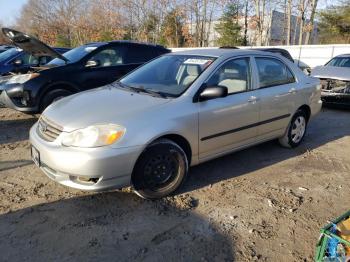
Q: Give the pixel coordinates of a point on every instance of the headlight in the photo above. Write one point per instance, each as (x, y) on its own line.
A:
(94, 136)
(20, 79)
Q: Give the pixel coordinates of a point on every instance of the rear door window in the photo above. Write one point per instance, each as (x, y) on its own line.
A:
(273, 72)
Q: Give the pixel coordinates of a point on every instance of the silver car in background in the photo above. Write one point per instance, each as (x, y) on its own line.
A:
(177, 111)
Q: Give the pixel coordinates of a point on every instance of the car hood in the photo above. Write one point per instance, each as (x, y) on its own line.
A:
(332, 72)
(31, 44)
(101, 106)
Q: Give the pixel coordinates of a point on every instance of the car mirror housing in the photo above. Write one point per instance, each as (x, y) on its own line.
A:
(18, 62)
(213, 92)
(92, 63)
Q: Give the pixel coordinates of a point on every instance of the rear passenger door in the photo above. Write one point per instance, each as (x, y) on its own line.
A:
(229, 122)
(278, 88)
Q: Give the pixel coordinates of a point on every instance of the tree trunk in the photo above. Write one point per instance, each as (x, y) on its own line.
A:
(311, 23)
(301, 30)
(258, 18)
(245, 39)
(289, 21)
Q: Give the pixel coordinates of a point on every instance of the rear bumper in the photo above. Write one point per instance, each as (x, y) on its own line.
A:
(92, 169)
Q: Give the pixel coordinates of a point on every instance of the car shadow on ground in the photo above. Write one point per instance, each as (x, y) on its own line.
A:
(113, 226)
(17, 130)
(328, 126)
(6, 165)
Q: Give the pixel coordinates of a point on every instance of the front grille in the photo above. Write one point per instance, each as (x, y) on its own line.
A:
(48, 130)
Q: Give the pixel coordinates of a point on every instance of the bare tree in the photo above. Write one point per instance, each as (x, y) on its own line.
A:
(289, 21)
(310, 26)
(245, 35)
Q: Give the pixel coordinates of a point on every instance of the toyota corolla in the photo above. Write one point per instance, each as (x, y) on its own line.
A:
(176, 111)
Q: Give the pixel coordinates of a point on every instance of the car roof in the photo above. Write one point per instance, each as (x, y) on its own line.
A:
(124, 42)
(343, 55)
(219, 52)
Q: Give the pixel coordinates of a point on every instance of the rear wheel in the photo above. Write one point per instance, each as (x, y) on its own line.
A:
(296, 130)
(53, 96)
(160, 170)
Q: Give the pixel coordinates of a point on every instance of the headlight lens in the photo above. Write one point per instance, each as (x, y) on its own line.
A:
(20, 79)
(94, 136)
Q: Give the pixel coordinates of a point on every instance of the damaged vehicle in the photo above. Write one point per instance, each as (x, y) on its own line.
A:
(84, 67)
(335, 81)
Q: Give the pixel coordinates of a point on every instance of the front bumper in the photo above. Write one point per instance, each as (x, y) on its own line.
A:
(106, 167)
(7, 101)
(336, 98)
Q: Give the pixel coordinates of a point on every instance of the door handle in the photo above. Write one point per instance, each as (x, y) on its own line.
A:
(292, 91)
(253, 99)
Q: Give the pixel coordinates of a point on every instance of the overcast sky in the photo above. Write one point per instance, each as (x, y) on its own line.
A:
(10, 9)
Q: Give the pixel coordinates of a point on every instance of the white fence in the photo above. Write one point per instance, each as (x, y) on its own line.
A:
(311, 55)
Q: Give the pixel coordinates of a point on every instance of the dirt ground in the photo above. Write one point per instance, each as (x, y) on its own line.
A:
(265, 203)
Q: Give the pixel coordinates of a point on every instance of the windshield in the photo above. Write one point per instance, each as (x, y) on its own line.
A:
(8, 53)
(339, 62)
(170, 75)
(73, 55)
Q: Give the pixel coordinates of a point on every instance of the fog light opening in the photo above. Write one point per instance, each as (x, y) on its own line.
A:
(89, 180)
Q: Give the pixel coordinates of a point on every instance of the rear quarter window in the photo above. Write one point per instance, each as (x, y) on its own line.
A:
(140, 54)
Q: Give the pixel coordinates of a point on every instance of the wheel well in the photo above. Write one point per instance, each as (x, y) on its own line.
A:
(58, 87)
(307, 110)
(182, 142)
(51, 88)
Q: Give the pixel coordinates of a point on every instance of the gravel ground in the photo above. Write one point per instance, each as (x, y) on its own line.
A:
(265, 203)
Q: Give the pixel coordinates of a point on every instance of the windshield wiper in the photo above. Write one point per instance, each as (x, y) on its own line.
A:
(151, 92)
(131, 88)
(142, 89)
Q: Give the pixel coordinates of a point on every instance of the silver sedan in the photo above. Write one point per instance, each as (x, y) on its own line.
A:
(176, 111)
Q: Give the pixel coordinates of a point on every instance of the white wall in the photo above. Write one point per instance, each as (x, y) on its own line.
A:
(312, 55)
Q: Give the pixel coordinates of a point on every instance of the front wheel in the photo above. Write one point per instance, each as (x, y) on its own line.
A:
(296, 130)
(53, 96)
(160, 170)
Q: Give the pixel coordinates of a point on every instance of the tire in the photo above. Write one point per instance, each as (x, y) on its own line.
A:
(53, 96)
(161, 156)
(296, 130)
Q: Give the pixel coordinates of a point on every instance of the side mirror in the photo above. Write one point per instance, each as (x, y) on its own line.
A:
(213, 92)
(18, 62)
(92, 63)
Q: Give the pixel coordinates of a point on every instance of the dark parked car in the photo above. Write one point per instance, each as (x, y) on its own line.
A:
(283, 52)
(280, 51)
(335, 81)
(85, 67)
(15, 60)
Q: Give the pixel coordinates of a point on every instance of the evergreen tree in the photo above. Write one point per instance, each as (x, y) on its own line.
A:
(228, 27)
(334, 25)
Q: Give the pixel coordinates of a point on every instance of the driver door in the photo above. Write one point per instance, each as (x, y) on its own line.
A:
(110, 67)
(229, 122)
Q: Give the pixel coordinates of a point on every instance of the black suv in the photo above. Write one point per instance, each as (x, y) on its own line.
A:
(85, 67)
